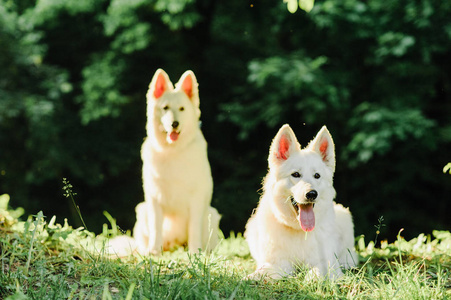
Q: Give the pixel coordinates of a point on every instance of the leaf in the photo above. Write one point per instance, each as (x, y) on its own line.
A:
(4, 200)
(19, 295)
(306, 5)
(447, 168)
(292, 6)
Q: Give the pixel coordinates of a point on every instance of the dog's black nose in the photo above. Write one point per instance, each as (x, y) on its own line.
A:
(311, 195)
(175, 124)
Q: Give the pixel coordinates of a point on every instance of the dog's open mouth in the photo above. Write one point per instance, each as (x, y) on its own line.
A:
(173, 136)
(304, 213)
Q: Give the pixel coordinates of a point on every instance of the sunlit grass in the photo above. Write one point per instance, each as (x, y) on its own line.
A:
(41, 259)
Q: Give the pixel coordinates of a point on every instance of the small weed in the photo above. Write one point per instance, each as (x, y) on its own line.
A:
(68, 193)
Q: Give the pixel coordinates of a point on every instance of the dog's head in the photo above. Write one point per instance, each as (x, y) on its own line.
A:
(172, 112)
(302, 178)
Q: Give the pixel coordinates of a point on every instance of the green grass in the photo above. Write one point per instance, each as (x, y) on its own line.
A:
(41, 259)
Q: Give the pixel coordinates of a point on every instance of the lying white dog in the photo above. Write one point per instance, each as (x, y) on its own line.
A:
(297, 222)
(177, 178)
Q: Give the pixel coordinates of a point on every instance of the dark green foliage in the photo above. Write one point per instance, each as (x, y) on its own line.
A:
(73, 78)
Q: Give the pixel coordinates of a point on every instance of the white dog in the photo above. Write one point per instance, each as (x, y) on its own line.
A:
(297, 222)
(177, 178)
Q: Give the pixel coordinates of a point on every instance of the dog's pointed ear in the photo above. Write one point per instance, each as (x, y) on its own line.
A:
(188, 84)
(324, 146)
(160, 83)
(283, 145)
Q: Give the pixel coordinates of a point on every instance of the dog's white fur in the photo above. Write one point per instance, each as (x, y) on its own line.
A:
(177, 178)
(276, 239)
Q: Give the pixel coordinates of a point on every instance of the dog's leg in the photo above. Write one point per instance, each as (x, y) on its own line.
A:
(327, 265)
(195, 223)
(156, 226)
(330, 265)
(148, 228)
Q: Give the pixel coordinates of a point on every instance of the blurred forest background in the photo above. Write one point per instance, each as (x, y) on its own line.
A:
(74, 74)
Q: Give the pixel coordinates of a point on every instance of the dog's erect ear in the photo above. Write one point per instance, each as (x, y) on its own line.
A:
(283, 145)
(188, 84)
(160, 83)
(324, 146)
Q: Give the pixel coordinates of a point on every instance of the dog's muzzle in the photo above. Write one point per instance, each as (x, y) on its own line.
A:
(295, 204)
(310, 196)
(172, 135)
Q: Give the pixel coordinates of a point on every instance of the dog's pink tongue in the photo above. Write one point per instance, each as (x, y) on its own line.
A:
(174, 136)
(306, 217)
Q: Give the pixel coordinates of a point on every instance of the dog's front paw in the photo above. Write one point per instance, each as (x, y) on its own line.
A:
(264, 273)
(257, 276)
(148, 251)
(313, 274)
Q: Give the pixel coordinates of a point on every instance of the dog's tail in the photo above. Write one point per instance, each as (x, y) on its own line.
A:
(121, 246)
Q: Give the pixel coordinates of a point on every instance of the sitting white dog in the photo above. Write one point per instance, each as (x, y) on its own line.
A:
(177, 179)
(297, 222)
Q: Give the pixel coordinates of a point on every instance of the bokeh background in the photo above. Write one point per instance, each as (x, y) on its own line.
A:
(74, 74)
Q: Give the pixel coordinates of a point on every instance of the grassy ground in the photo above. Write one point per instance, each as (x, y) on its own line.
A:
(44, 260)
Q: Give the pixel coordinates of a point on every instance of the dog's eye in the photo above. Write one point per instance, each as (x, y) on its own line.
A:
(166, 107)
(317, 176)
(296, 175)
(181, 108)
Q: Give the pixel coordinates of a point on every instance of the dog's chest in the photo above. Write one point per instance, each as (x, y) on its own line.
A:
(178, 179)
